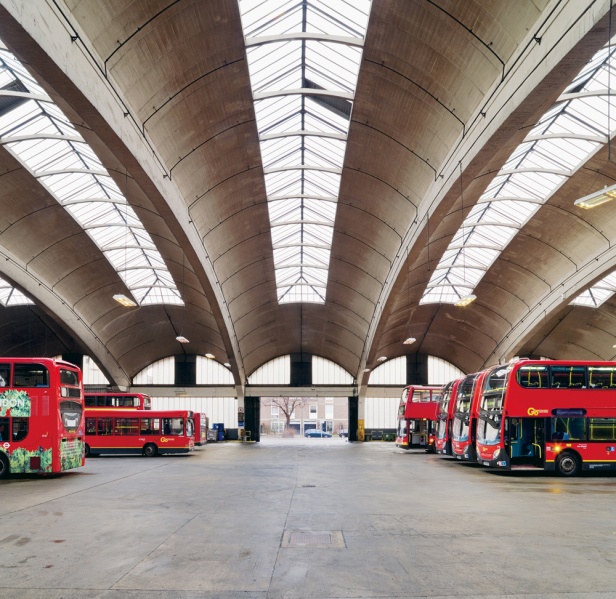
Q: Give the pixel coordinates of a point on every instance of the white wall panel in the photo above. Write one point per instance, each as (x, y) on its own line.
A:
(274, 372)
(210, 372)
(441, 371)
(158, 373)
(92, 374)
(326, 372)
(381, 412)
(392, 372)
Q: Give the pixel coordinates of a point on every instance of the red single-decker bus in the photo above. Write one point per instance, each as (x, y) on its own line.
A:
(549, 414)
(41, 416)
(147, 433)
(416, 416)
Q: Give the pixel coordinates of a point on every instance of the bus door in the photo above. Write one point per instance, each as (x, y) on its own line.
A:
(526, 440)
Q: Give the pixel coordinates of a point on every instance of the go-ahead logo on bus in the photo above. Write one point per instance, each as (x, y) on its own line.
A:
(535, 412)
(17, 402)
(166, 439)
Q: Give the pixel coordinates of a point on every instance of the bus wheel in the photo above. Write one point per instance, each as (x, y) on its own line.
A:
(5, 467)
(86, 448)
(150, 450)
(568, 464)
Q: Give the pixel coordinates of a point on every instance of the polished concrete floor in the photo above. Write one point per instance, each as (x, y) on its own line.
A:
(304, 518)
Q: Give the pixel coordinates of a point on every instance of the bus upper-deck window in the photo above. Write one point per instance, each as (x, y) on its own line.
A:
(69, 377)
(30, 375)
(533, 376)
(5, 375)
(571, 377)
(601, 377)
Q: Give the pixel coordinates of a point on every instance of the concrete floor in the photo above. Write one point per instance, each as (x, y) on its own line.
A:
(304, 518)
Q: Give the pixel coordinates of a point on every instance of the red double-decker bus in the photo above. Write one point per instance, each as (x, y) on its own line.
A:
(139, 432)
(444, 418)
(466, 410)
(549, 414)
(416, 416)
(124, 401)
(41, 416)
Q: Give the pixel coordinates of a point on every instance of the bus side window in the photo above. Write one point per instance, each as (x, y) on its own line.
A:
(31, 375)
(90, 426)
(4, 429)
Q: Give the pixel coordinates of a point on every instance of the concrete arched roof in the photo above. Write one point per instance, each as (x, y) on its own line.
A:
(445, 93)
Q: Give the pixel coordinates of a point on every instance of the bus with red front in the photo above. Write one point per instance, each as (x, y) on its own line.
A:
(141, 432)
(464, 425)
(202, 427)
(124, 401)
(549, 414)
(41, 416)
(444, 418)
(417, 415)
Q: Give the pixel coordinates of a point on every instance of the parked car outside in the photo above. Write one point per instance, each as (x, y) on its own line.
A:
(344, 432)
(313, 432)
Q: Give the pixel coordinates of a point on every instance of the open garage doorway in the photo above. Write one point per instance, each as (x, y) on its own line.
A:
(289, 416)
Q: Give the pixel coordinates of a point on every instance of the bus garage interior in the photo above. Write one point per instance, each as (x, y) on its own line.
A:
(213, 202)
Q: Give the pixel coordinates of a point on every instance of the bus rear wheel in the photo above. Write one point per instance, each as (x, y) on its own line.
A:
(86, 450)
(5, 467)
(568, 464)
(150, 450)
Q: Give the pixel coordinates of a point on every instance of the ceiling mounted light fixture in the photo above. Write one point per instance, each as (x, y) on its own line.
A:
(465, 301)
(409, 341)
(181, 339)
(125, 301)
(597, 198)
(381, 359)
(210, 356)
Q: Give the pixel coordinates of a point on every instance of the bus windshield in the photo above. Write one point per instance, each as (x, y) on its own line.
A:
(488, 431)
(494, 389)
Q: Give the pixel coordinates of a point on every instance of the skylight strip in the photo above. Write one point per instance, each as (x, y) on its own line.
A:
(598, 294)
(567, 135)
(11, 296)
(38, 134)
(303, 61)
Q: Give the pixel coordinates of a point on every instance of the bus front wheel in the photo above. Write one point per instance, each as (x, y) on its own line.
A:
(150, 450)
(568, 464)
(5, 467)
